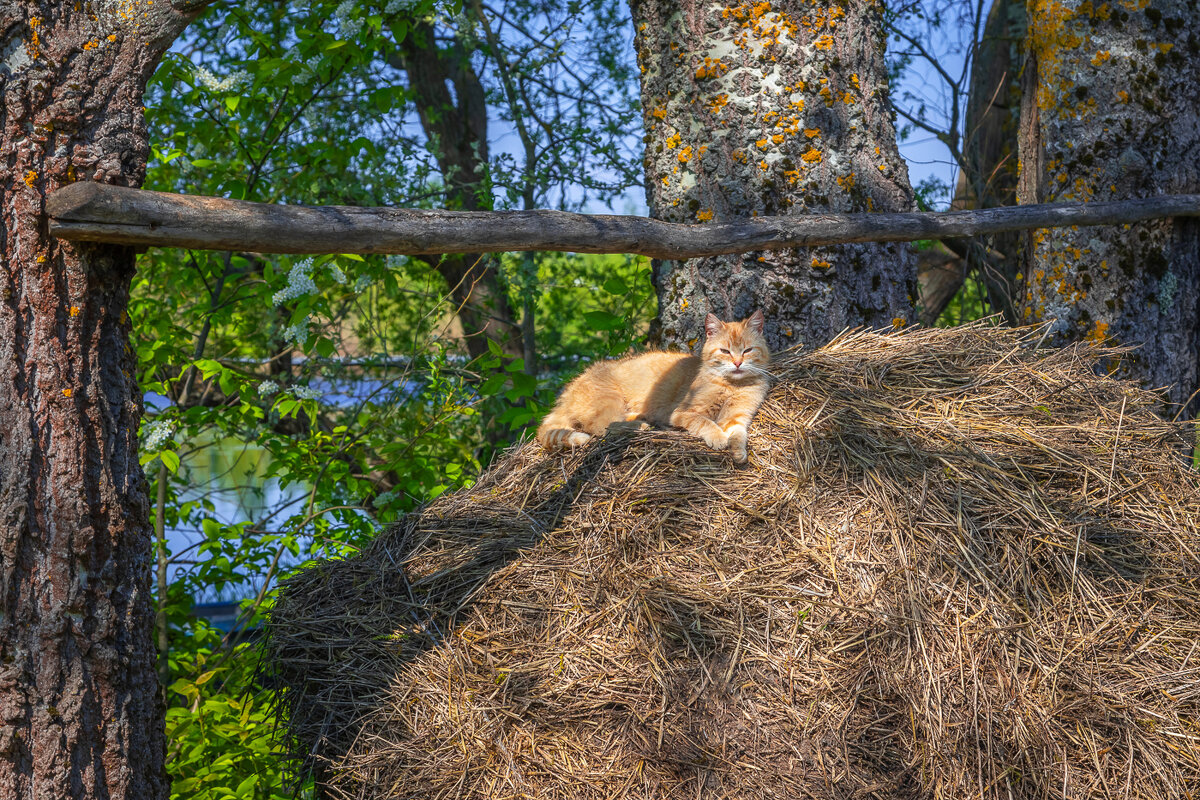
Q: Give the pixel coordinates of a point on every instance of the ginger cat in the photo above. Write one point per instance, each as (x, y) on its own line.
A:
(713, 396)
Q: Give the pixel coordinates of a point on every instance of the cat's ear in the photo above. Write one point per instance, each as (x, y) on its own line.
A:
(712, 325)
(755, 322)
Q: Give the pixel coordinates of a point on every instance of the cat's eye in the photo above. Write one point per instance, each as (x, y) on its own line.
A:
(723, 350)
(748, 350)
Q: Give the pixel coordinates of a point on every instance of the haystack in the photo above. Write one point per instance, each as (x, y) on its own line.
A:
(956, 566)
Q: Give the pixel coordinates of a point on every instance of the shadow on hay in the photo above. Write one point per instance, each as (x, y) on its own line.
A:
(351, 625)
(904, 596)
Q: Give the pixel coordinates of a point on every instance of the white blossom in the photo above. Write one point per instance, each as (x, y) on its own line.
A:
(362, 283)
(268, 388)
(158, 434)
(348, 25)
(387, 497)
(306, 393)
(206, 79)
(299, 283)
(297, 333)
(337, 273)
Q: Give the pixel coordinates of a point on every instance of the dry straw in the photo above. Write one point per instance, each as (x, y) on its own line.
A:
(957, 566)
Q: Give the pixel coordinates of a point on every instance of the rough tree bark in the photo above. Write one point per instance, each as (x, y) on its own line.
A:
(777, 106)
(456, 125)
(1110, 110)
(79, 709)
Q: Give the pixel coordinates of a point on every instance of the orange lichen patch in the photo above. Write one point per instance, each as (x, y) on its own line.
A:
(659, 113)
(739, 156)
(777, 138)
(717, 103)
(846, 182)
(673, 141)
(30, 177)
(1123, 96)
(812, 133)
(67, 392)
(34, 46)
(791, 175)
(824, 42)
(112, 37)
(1100, 58)
(789, 125)
(711, 68)
(761, 144)
(74, 311)
(826, 95)
(666, 179)
(819, 264)
(847, 98)
(1098, 333)
(763, 165)
(854, 80)
(883, 167)
(705, 215)
(898, 323)
(685, 154)
(812, 156)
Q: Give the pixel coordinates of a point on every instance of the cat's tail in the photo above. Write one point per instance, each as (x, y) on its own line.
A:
(557, 433)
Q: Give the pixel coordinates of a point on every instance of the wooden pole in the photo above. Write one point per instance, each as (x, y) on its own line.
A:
(99, 213)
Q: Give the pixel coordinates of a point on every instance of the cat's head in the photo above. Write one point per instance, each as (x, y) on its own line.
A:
(736, 350)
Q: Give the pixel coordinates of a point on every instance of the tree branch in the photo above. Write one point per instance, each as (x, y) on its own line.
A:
(87, 211)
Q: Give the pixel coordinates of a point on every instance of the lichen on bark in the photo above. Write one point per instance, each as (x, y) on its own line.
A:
(772, 107)
(1111, 112)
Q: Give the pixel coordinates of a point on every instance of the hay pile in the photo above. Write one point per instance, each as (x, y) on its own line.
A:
(957, 566)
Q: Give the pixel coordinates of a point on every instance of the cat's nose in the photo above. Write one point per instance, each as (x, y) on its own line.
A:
(737, 362)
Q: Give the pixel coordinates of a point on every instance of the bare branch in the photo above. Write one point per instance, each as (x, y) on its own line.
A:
(96, 212)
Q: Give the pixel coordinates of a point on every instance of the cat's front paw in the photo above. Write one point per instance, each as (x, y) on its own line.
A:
(578, 439)
(717, 440)
(737, 445)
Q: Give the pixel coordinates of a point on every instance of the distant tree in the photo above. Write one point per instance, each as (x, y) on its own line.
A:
(81, 712)
(958, 66)
(1110, 111)
(772, 108)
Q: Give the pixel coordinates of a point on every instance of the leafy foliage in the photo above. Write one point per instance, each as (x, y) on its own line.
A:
(296, 404)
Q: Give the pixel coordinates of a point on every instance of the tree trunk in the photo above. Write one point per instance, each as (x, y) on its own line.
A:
(79, 710)
(456, 125)
(1110, 111)
(987, 177)
(764, 108)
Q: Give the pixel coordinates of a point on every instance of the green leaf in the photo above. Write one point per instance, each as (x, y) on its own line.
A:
(170, 460)
(616, 286)
(207, 367)
(232, 103)
(246, 787)
(603, 320)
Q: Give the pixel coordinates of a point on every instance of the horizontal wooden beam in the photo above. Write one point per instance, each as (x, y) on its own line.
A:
(99, 213)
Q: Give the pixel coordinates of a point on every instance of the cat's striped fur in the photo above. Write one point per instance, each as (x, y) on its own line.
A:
(713, 396)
